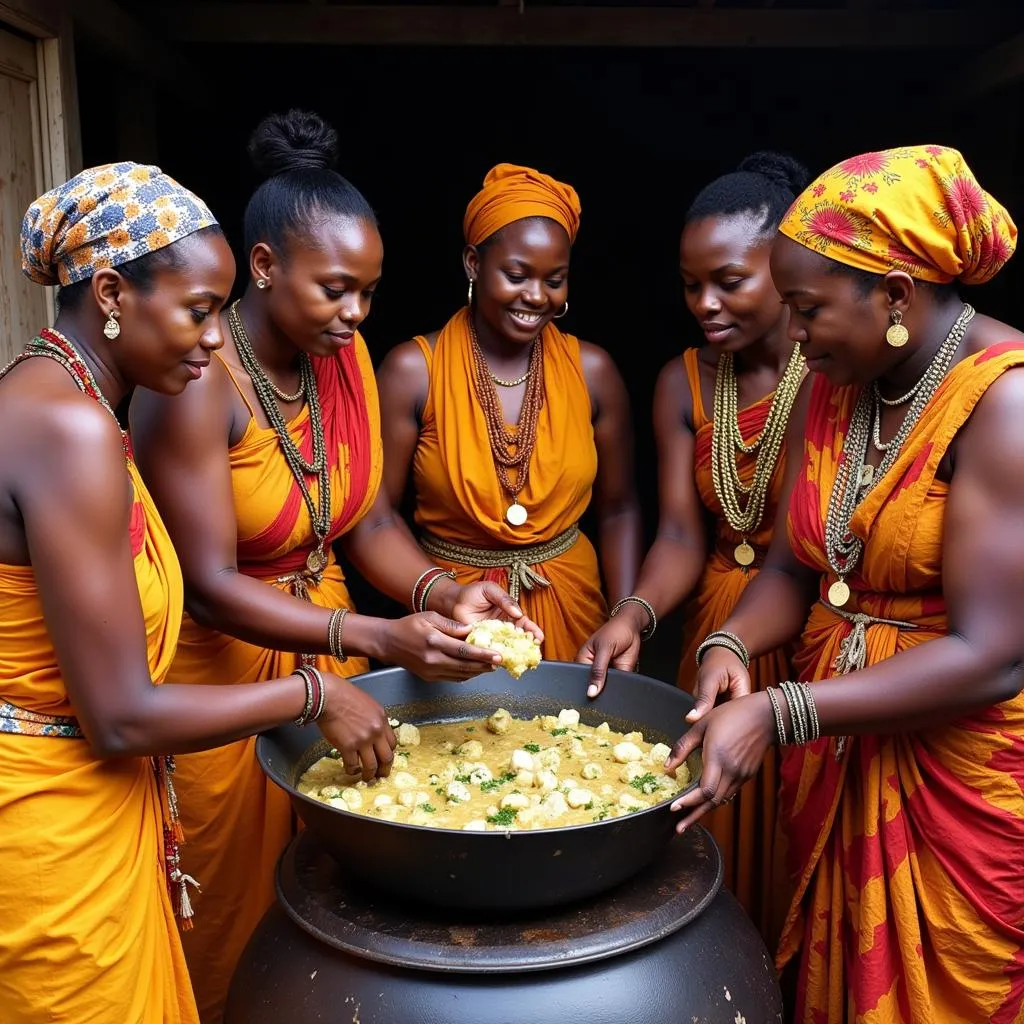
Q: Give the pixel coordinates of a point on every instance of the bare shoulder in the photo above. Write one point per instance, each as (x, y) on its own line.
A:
(987, 331)
(672, 398)
(991, 444)
(402, 379)
(597, 363)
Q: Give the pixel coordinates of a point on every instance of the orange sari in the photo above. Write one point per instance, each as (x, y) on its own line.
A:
(744, 829)
(908, 853)
(87, 934)
(459, 498)
(237, 823)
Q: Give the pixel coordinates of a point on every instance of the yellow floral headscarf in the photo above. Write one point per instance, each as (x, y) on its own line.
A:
(103, 217)
(511, 193)
(918, 209)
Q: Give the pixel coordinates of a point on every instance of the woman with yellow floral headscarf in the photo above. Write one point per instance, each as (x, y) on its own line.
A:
(508, 424)
(903, 736)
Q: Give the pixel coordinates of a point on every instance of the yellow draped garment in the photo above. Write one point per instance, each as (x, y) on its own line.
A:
(745, 828)
(907, 853)
(87, 932)
(237, 823)
(459, 497)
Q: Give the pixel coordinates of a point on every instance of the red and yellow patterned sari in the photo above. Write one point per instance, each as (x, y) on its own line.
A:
(908, 852)
(236, 821)
(744, 829)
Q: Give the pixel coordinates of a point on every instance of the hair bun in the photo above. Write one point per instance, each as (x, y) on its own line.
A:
(779, 168)
(297, 141)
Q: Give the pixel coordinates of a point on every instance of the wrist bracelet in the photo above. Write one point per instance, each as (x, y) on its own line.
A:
(780, 722)
(723, 638)
(426, 582)
(316, 694)
(307, 707)
(652, 625)
(335, 628)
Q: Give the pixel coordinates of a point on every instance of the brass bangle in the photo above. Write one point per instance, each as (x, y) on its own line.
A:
(307, 708)
(335, 630)
(780, 723)
(652, 625)
(723, 638)
(446, 574)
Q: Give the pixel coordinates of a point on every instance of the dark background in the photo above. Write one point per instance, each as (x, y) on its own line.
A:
(636, 131)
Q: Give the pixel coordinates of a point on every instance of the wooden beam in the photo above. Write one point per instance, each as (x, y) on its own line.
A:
(450, 25)
(995, 69)
(40, 18)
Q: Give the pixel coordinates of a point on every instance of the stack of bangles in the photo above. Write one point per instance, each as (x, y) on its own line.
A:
(723, 638)
(422, 587)
(652, 624)
(803, 715)
(316, 694)
(335, 627)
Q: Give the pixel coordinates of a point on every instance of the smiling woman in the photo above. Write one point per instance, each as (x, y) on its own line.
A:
(507, 424)
(264, 463)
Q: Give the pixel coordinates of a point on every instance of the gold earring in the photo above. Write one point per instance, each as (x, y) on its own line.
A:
(565, 309)
(261, 282)
(897, 336)
(469, 298)
(111, 328)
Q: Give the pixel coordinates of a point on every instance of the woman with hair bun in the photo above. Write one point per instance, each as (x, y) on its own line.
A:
(274, 455)
(720, 414)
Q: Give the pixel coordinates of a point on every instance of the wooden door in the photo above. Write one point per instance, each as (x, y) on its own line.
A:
(24, 306)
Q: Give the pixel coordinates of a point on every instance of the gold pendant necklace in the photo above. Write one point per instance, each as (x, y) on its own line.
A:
(727, 439)
(516, 514)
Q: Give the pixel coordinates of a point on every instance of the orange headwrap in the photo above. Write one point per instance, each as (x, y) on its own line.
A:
(511, 193)
(918, 209)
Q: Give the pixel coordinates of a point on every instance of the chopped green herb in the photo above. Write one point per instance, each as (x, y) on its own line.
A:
(429, 808)
(533, 748)
(490, 785)
(470, 728)
(646, 783)
(462, 778)
(560, 732)
(439, 791)
(504, 817)
(334, 754)
(601, 816)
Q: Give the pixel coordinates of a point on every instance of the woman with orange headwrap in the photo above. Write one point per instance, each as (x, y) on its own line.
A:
(508, 423)
(901, 795)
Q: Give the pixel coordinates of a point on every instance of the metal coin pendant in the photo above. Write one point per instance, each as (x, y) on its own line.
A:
(867, 475)
(744, 554)
(897, 335)
(516, 514)
(316, 560)
(838, 594)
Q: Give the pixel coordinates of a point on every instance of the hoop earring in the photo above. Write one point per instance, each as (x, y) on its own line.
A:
(565, 309)
(111, 328)
(897, 336)
(469, 296)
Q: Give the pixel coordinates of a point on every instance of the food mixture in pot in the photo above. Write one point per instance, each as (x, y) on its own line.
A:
(504, 773)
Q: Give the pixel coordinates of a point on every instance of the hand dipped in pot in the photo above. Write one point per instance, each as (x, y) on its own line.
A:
(357, 727)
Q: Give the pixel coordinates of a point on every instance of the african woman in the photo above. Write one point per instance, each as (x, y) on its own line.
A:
(901, 799)
(273, 456)
(507, 424)
(720, 415)
(90, 608)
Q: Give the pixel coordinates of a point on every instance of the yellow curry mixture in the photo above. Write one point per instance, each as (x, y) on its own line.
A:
(504, 773)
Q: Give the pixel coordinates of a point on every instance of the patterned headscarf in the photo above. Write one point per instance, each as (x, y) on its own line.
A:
(918, 209)
(511, 193)
(103, 217)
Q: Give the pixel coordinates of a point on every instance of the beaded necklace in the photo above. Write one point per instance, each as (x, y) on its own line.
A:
(726, 440)
(524, 437)
(51, 344)
(320, 513)
(855, 477)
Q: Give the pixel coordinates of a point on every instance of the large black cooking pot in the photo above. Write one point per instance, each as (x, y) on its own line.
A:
(492, 870)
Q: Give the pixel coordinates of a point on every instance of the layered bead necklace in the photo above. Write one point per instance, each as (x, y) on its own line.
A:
(51, 344)
(727, 441)
(268, 393)
(855, 477)
(511, 449)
